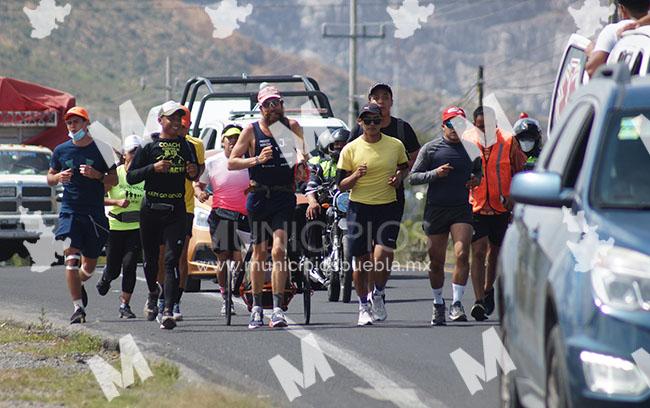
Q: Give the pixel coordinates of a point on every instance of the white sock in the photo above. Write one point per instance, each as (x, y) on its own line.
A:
(77, 304)
(458, 292)
(437, 296)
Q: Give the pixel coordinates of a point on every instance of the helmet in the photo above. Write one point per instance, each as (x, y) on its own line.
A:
(528, 133)
(327, 139)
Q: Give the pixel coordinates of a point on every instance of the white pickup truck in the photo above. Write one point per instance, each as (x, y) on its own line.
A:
(25, 197)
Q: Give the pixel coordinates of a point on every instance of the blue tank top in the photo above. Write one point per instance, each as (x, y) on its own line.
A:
(275, 172)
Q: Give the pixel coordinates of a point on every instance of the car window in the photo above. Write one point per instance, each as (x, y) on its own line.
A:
(620, 178)
(577, 124)
(24, 162)
(569, 80)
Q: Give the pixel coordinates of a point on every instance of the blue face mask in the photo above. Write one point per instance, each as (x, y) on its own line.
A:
(78, 135)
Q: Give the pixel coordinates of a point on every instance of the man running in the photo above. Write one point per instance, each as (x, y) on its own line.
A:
(123, 247)
(381, 94)
(197, 145)
(80, 167)
(445, 166)
(163, 164)
(271, 201)
(372, 168)
(491, 204)
(228, 213)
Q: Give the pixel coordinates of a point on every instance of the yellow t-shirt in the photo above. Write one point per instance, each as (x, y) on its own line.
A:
(382, 159)
(189, 189)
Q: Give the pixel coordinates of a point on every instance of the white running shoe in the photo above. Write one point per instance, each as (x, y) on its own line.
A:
(378, 308)
(223, 309)
(365, 315)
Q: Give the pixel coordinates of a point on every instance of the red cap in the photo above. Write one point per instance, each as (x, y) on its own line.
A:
(523, 115)
(452, 112)
(77, 111)
(186, 119)
(268, 92)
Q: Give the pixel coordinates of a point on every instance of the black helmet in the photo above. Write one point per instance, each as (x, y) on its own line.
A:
(327, 139)
(528, 133)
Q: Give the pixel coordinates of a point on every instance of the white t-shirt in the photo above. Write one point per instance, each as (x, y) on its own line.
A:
(607, 38)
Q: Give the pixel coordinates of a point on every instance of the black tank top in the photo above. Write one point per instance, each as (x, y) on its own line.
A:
(275, 172)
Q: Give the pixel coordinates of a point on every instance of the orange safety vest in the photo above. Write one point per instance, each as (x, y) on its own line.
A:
(495, 184)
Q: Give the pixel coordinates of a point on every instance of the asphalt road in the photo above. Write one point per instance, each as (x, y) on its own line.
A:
(401, 362)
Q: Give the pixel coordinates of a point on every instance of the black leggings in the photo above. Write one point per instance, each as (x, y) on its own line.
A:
(167, 227)
(122, 252)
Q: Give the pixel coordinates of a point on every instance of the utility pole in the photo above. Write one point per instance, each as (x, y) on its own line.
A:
(168, 78)
(479, 85)
(353, 35)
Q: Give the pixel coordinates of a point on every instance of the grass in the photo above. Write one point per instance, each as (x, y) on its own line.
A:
(68, 382)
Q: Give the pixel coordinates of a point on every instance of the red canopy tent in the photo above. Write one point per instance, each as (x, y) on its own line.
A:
(34, 111)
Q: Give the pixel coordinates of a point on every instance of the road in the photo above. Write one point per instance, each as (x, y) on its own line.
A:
(401, 362)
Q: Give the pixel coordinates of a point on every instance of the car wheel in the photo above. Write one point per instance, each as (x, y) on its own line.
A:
(556, 379)
(192, 284)
(509, 398)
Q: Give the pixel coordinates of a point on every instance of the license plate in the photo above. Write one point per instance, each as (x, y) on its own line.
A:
(7, 191)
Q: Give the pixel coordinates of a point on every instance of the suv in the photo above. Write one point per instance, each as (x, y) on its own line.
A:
(23, 183)
(574, 268)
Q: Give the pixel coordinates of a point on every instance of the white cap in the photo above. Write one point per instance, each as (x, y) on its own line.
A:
(131, 142)
(169, 108)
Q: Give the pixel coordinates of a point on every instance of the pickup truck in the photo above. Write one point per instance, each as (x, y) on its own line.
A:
(25, 197)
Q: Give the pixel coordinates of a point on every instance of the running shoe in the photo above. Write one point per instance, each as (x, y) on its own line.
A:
(168, 321)
(223, 309)
(79, 316)
(488, 301)
(365, 315)
(84, 296)
(125, 312)
(378, 308)
(178, 316)
(277, 318)
(103, 287)
(257, 318)
(161, 307)
(150, 308)
(478, 311)
(438, 317)
(457, 313)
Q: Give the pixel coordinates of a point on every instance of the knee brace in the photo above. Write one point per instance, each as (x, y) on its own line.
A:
(72, 262)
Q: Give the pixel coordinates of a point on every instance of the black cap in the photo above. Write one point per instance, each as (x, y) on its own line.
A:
(369, 108)
(380, 85)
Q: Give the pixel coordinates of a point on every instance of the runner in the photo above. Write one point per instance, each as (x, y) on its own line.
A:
(372, 168)
(272, 200)
(491, 205)
(228, 208)
(445, 166)
(322, 171)
(186, 123)
(163, 164)
(124, 247)
(80, 167)
(382, 95)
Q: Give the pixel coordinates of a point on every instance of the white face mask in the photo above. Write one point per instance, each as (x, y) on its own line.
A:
(527, 145)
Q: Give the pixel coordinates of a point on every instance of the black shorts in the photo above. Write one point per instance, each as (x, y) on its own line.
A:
(189, 224)
(372, 224)
(268, 214)
(492, 226)
(224, 232)
(438, 220)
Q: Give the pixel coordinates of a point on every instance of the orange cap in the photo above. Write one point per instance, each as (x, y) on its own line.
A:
(186, 120)
(77, 111)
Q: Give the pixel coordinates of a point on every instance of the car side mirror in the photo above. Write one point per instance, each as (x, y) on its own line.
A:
(543, 189)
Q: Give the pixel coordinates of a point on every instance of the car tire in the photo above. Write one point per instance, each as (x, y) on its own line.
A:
(556, 378)
(508, 396)
(192, 284)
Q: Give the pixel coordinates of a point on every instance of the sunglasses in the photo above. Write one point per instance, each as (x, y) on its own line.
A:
(372, 121)
(272, 103)
(449, 125)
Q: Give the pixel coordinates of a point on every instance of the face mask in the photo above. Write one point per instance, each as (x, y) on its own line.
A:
(527, 145)
(78, 135)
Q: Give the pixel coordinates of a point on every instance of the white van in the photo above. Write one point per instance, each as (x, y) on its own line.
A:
(633, 49)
